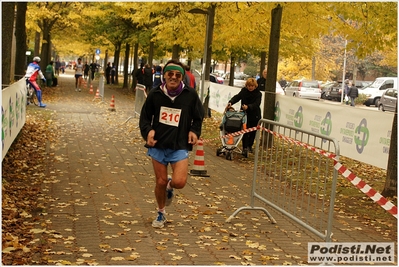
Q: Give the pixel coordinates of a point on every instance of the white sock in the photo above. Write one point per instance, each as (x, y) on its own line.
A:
(168, 187)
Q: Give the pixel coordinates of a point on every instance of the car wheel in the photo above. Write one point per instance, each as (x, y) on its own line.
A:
(377, 102)
(381, 107)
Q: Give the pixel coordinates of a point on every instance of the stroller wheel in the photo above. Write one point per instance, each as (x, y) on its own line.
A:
(229, 156)
(218, 152)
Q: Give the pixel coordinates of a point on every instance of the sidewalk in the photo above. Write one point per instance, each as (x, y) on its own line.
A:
(101, 201)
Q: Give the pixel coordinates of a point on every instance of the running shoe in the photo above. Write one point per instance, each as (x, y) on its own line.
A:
(169, 194)
(159, 222)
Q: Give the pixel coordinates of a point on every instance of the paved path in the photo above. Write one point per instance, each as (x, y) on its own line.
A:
(101, 200)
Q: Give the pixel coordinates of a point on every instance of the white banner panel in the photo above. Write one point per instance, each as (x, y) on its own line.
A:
(13, 113)
(362, 134)
(221, 94)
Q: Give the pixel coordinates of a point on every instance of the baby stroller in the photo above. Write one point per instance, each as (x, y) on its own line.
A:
(233, 121)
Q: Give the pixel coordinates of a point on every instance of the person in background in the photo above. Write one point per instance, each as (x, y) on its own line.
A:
(189, 77)
(57, 67)
(353, 93)
(262, 81)
(251, 98)
(157, 76)
(63, 66)
(93, 69)
(113, 73)
(147, 77)
(78, 74)
(49, 74)
(170, 123)
(108, 72)
(86, 71)
(346, 91)
(139, 74)
(31, 75)
(282, 82)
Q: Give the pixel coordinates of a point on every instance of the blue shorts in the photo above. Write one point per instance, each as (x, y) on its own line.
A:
(78, 75)
(165, 156)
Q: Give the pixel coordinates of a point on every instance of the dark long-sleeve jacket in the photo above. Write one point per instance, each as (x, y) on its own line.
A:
(147, 77)
(353, 92)
(172, 120)
(252, 99)
(261, 84)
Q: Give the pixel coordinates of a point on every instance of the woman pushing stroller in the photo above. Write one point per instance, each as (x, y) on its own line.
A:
(251, 98)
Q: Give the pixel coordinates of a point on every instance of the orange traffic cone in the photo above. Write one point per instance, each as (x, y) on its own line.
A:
(199, 161)
(112, 104)
(91, 89)
(84, 84)
(97, 94)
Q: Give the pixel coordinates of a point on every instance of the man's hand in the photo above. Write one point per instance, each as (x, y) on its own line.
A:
(192, 138)
(150, 138)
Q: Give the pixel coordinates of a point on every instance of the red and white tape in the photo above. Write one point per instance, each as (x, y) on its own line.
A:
(232, 134)
(359, 183)
(365, 188)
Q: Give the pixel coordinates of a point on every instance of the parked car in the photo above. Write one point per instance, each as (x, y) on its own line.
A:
(215, 79)
(334, 92)
(388, 100)
(324, 87)
(237, 76)
(279, 89)
(362, 84)
(375, 90)
(304, 89)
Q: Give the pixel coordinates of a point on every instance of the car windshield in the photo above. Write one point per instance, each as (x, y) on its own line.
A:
(310, 84)
(376, 84)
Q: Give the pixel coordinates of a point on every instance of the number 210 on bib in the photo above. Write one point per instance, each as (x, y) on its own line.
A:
(170, 116)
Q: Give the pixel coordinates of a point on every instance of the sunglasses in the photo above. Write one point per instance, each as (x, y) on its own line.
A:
(171, 74)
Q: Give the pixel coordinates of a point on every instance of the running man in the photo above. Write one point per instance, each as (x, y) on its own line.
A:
(170, 123)
(78, 74)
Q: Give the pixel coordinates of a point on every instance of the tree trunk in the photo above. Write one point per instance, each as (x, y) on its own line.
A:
(175, 51)
(105, 60)
(391, 181)
(45, 53)
(20, 37)
(126, 67)
(209, 38)
(116, 60)
(151, 54)
(36, 51)
(232, 63)
(272, 64)
(6, 40)
(135, 65)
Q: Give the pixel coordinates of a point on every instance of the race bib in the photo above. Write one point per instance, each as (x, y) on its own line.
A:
(170, 116)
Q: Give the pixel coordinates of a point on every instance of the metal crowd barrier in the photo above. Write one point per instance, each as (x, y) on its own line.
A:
(101, 87)
(293, 176)
(140, 98)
